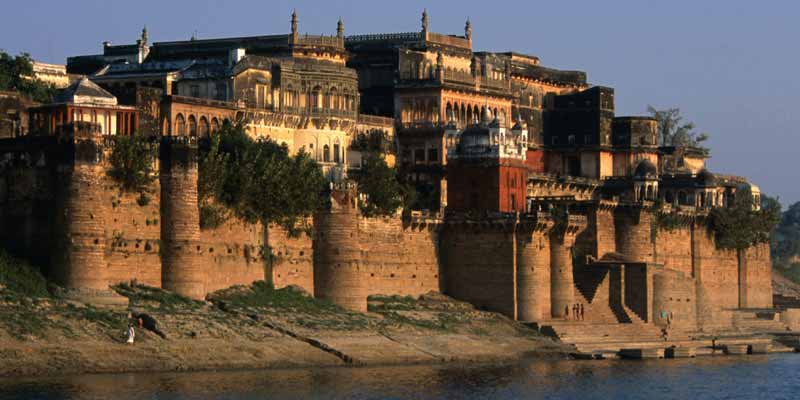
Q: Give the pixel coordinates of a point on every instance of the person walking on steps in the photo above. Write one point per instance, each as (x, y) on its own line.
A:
(580, 311)
(566, 312)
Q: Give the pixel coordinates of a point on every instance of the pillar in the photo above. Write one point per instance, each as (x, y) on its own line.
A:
(533, 273)
(339, 275)
(562, 285)
(562, 282)
(634, 233)
(181, 266)
(81, 261)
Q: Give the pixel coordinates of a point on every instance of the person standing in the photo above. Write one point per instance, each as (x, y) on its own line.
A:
(581, 311)
(131, 333)
(566, 312)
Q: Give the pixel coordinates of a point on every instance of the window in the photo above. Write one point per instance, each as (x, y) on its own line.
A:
(221, 91)
(554, 140)
(433, 155)
(336, 153)
(571, 139)
(326, 153)
(180, 125)
(587, 139)
(192, 126)
(194, 90)
(419, 156)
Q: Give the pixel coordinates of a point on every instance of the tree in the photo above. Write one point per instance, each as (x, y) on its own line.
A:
(256, 180)
(672, 131)
(740, 226)
(379, 182)
(16, 74)
(132, 165)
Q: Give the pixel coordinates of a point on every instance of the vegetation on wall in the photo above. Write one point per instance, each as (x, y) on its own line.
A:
(256, 181)
(16, 74)
(385, 194)
(785, 242)
(132, 165)
(20, 278)
(663, 220)
(673, 131)
(740, 226)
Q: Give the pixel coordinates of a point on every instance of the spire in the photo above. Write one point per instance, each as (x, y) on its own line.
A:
(340, 28)
(425, 20)
(294, 22)
(468, 30)
(144, 36)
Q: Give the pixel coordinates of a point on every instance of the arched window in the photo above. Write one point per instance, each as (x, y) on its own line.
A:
(326, 153)
(180, 125)
(668, 197)
(203, 128)
(683, 199)
(192, 126)
(333, 99)
(316, 99)
(214, 124)
(336, 151)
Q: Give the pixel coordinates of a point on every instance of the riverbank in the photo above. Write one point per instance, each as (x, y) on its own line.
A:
(253, 327)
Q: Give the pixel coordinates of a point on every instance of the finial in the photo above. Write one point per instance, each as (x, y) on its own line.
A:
(425, 20)
(468, 30)
(294, 21)
(340, 28)
(144, 35)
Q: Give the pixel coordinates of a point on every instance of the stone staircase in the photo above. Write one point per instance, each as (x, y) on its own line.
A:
(763, 321)
(611, 337)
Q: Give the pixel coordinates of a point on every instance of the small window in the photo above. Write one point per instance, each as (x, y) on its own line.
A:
(571, 139)
(555, 140)
(419, 156)
(587, 139)
(336, 153)
(433, 155)
(194, 90)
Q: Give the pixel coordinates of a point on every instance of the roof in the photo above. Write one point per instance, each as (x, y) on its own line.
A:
(84, 91)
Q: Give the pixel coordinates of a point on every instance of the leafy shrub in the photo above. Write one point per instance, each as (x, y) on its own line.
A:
(132, 163)
(21, 278)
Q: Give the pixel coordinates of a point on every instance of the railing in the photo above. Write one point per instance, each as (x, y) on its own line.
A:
(315, 40)
(375, 120)
(374, 37)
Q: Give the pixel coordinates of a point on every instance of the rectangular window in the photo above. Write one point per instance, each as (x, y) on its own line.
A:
(194, 90)
(419, 156)
(221, 92)
(554, 140)
(433, 155)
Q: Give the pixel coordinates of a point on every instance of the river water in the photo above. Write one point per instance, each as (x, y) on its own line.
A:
(717, 377)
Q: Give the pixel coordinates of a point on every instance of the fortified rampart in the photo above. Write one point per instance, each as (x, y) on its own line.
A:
(609, 256)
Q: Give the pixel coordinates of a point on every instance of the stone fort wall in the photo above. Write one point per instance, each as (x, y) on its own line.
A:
(70, 216)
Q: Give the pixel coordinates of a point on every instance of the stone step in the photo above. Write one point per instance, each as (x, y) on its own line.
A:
(680, 352)
(642, 353)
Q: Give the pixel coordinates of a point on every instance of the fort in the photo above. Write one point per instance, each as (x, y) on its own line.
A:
(537, 197)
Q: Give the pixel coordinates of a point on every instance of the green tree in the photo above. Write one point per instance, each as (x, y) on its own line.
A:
(257, 180)
(740, 226)
(16, 74)
(385, 194)
(132, 164)
(673, 131)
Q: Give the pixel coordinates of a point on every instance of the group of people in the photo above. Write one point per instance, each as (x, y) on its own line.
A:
(142, 321)
(577, 312)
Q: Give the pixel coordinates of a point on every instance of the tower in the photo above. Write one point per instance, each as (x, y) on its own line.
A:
(340, 29)
(294, 23)
(468, 30)
(425, 22)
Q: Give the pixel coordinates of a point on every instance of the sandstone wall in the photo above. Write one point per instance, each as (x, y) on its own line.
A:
(674, 295)
(478, 263)
(674, 249)
(293, 262)
(232, 254)
(399, 260)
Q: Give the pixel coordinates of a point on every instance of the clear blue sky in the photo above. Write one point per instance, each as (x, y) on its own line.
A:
(731, 66)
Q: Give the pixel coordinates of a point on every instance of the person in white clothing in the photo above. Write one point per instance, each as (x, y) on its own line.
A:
(131, 333)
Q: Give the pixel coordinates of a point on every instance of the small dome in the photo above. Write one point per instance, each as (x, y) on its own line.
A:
(495, 123)
(646, 169)
(474, 136)
(518, 126)
(487, 116)
(706, 178)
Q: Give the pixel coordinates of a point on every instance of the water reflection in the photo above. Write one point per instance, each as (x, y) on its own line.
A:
(707, 377)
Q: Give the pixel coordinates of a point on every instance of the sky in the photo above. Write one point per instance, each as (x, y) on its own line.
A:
(730, 66)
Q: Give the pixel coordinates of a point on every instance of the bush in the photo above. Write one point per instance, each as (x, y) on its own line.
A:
(132, 163)
(21, 278)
